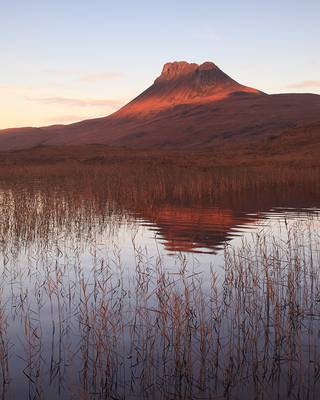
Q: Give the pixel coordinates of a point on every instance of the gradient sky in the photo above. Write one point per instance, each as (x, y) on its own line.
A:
(67, 60)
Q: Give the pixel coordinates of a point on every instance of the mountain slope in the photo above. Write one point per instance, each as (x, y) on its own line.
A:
(188, 106)
(184, 83)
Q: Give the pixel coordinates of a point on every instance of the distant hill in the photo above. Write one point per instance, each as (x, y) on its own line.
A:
(190, 106)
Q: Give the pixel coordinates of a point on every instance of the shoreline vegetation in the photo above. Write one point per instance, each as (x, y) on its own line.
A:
(304, 154)
(99, 329)
(157, 173)
(102, 328)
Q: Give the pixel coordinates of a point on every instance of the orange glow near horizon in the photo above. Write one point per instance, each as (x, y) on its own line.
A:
(20, 107)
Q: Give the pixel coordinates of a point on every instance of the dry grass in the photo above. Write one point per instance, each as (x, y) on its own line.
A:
(96, 327)
(131, 179)
(98, 330)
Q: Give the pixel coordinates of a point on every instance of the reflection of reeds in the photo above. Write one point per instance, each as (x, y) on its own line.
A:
(46, 201)
(4, 349)
(249, 331)
(100, 329)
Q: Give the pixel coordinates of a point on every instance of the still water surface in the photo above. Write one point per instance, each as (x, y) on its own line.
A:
(80, 309)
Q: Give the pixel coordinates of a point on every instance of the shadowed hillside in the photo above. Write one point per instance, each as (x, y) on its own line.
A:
(190, 106)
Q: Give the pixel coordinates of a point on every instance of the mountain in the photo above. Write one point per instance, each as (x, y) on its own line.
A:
(184, 83)
(188, 106)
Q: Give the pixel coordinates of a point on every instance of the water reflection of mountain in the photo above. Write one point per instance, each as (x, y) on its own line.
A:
(206, 229)
(194, 229)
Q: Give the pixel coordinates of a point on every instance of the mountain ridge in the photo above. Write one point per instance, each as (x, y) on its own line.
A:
(188, 106)
(181, 82)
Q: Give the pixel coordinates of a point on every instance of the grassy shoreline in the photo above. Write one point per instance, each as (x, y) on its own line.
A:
(96, 154)
(251, 332)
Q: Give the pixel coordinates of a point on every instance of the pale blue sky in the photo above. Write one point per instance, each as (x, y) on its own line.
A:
(64, 60)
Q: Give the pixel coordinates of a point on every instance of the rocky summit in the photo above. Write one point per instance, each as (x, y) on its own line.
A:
(189, 106)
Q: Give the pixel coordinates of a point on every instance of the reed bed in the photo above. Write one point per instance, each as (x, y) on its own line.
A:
(80, 320)
(142, 182)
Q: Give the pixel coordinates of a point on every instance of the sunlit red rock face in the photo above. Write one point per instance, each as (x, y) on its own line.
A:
(188, 106)
(184, 83)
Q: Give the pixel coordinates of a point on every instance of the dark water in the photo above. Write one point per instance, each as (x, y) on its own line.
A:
(168, 301)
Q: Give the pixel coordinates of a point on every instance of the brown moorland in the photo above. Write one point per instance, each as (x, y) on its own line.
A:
(192, 107)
